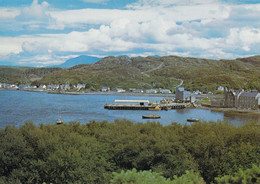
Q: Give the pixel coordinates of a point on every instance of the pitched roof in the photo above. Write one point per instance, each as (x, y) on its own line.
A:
(249, 94)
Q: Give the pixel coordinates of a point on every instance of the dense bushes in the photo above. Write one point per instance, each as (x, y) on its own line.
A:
(247, 176)
(52, 154)
(74, 153)
(149, 177)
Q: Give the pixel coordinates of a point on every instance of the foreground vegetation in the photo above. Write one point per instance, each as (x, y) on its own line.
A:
(124, 152)
(146, 73)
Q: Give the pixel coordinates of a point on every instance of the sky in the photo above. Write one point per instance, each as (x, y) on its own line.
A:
(48, 32)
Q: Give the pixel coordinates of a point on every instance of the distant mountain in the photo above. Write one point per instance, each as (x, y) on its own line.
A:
(83, 59)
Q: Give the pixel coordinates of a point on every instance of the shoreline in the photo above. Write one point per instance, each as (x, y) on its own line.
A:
(94, 93)
(231, 111)
(113, 93)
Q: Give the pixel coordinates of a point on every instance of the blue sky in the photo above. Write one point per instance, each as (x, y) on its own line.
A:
(48, 32)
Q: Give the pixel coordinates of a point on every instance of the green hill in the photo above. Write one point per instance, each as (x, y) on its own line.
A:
(23, 75)
(158, 72)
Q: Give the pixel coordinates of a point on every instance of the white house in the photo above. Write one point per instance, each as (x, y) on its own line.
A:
(138, 91)
(13, 86)
(120, 90)
(105, 89)
(192, 98)
(4, 85)
(151, 91)
(33, 87)
(165, 91)
(80, 86)
(23, 86)
(220, 88)
(65, 87)
(42, 86)
(53, 87)
(198, 92)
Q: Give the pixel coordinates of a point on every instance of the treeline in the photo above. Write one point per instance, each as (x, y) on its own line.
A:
(124, 152)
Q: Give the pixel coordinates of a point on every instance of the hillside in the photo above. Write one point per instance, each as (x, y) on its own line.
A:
(114, 72)
(23, 75)
(254, 60)
(161, 72)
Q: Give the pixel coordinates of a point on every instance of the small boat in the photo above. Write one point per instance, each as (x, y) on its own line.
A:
(155, 108)
(192, 120)
(59, 121)
(154, 116)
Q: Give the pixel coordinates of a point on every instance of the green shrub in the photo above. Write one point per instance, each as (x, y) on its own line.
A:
(142, 177)
(190, 177)
(247, 176)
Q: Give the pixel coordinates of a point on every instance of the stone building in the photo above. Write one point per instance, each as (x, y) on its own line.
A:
(231, 97)
(249, 100)
(241, 99)
(181, 94)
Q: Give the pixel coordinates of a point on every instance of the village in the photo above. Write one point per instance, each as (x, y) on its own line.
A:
(77, 88)
(226, 98)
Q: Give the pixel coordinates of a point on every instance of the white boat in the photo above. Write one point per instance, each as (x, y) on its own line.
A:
(59, 121)
(157, 108)
(193, 120)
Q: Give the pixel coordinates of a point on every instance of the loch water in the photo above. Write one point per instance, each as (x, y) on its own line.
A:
(17, 107)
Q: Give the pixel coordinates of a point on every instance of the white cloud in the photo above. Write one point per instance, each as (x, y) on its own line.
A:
(142, 4)
(35, 11)
(45, 60)
(187, 28)
(8, 13)
(10, 45)
(244, 38)
(34, 17)
(74, 18)
(95, 1)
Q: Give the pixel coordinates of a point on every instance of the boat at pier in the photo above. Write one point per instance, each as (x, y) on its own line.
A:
(154, 116)
(157, 108)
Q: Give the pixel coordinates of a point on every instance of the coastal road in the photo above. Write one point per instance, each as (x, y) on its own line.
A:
(157, 68)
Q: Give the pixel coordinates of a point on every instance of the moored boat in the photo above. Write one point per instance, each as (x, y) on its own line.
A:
(154, 116)
(155, 108)
(59, 121)
(193, 120)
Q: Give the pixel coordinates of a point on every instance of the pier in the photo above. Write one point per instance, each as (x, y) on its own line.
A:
(142, 105)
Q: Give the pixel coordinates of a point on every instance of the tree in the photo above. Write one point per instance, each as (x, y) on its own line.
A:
(149, 177)
(247, 176)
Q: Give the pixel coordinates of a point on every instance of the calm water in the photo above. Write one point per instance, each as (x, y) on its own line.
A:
(19, 106)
